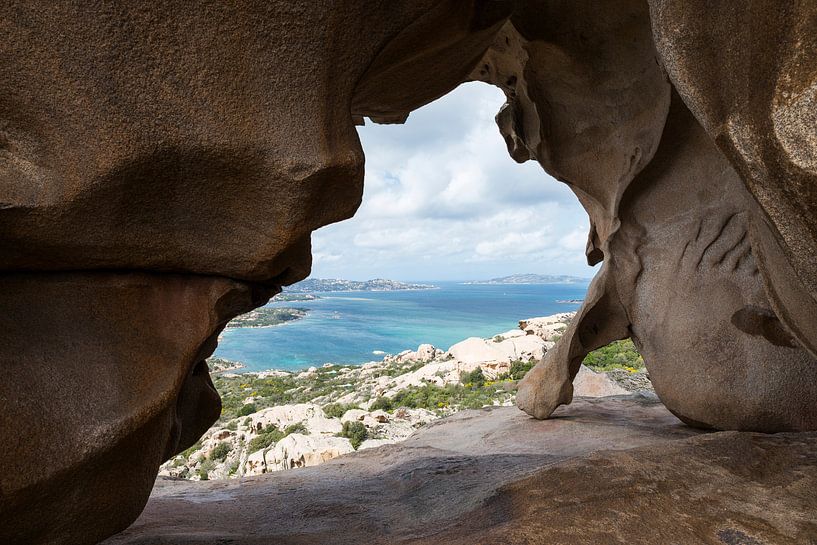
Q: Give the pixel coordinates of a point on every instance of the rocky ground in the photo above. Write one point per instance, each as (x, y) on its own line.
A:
(276, 420)
(613, 470)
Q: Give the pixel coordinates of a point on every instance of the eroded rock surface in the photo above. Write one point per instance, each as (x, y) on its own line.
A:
(161, 170)
(687, 251)
(619, 470)
(190, 152)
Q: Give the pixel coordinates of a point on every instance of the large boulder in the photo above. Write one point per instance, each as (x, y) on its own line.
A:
(663, 173)
(161, 171)
(589, 383)
(298, 450)
(283, 416)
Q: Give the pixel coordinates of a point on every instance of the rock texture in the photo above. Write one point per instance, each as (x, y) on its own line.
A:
(688, 253)
(161, 170)
(597, 473)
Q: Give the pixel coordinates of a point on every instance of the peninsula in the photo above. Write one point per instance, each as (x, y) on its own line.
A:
(333, 284)
(533, 279)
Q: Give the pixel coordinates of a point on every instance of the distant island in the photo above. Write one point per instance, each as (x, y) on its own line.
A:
(533, 279)
(267, 317)
(295, 297)
(334, 284)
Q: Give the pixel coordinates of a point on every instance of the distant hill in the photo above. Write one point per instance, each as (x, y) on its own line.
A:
(533, 279)
(333, 284)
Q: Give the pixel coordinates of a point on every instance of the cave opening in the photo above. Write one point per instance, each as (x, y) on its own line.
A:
(460, 269)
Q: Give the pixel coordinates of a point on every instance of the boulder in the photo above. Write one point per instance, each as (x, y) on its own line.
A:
(297, 450)
(474, 350)
(589, 383)
(282, 416)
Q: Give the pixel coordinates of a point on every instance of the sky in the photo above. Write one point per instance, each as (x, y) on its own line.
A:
(443, 200)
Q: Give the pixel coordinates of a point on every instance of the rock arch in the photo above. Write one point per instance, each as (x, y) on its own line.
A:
(161, 170)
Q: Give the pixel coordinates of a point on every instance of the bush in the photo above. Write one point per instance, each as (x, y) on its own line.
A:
(355, 431)
(220, 452)
(271, 435)
(616, 355)
(296, 428)
(475, 379)
(382, 404)
(206, 467)
(247, 409)
(337, 410)
(519, 369)
(266, 437)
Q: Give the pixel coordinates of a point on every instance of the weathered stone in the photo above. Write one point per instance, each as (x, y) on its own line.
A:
(161, 170)
(749, 75)
(91, 408)
(670, 217)
(164, 140)
(603, 471)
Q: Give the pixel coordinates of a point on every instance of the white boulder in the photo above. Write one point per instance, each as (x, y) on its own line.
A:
(588, 383)
(298, 450)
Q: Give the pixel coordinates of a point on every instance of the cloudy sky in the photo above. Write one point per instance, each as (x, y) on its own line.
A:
(443, 200)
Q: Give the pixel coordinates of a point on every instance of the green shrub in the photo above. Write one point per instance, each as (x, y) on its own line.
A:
(296, 428)
(355, 431)
(519, 369)
(220, 452)
(382, 404)
(268, 436)
(247, 409)
(206, 467)
(232, 425)
(474, 379)
(616, 355)
(271, 435)
(337, 410)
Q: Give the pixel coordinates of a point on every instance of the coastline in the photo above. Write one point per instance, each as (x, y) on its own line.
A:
(274, 420)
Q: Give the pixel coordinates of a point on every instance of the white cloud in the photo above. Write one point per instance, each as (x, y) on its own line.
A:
(443, 200)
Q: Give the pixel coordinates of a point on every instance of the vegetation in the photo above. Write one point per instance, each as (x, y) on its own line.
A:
(269, 391)
(519, 369)
(337, 410)
(295, 297)
(220, 452)
(271, 435)
(247, 409)
(474, 379)
(355, 431)
(267, 437)
(616, 355)
(204, 470)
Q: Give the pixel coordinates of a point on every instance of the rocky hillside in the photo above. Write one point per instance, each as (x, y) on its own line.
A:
(276, 420)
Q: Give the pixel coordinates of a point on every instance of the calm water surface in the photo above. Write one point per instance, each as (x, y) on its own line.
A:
(356, 327)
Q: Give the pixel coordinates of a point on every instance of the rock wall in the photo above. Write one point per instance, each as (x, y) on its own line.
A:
(620, 104)
(162, 168)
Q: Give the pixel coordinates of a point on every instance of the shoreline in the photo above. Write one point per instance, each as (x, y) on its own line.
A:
(275, 420)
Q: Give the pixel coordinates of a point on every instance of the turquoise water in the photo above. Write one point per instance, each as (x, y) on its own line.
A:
(356, 327)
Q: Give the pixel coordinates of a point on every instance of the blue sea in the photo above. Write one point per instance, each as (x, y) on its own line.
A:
(357, 327)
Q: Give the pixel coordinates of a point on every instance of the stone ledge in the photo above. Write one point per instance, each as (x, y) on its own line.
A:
(614, 470)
